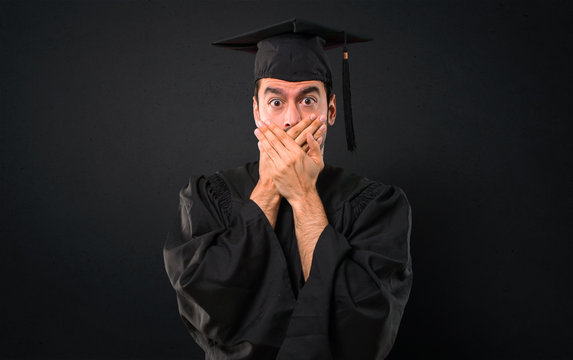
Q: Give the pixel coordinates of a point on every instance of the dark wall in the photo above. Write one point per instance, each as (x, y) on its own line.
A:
(106, 108)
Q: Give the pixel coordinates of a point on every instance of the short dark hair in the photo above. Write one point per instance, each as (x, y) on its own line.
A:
(327, 87)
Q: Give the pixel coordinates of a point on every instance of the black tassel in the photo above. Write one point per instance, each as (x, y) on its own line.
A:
(350, 140)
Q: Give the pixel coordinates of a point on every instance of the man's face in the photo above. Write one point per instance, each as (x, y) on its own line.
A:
(286, 103)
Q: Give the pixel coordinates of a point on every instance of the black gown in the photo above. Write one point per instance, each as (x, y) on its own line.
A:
(239, 283)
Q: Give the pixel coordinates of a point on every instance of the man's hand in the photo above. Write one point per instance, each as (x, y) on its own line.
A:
(313, 125)
(265, 194)
(294, 171)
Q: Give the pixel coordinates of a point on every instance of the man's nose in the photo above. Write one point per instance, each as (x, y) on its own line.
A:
(292, 116)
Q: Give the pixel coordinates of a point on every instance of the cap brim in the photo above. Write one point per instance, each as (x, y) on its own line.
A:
(248, 41)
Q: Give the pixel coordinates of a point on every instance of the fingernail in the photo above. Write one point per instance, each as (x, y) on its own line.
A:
(322, 127)
(323, 119)
(257, 132)
(258, 123)
(319, 140)
(267, 122)
(312, 117)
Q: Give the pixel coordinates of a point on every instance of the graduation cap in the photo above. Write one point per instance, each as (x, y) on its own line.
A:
(294, 50)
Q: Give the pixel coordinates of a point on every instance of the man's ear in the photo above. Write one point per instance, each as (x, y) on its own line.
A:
(332, 110)
(256, 111)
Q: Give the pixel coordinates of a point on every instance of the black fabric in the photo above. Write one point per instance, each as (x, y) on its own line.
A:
(292, 57)
(239, 282)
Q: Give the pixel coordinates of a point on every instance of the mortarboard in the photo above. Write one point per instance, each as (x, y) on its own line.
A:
(294, 50)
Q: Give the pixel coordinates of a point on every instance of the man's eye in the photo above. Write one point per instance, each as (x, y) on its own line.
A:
(308, 101)
(275, 103)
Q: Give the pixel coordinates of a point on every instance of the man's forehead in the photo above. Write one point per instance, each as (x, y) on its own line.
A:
(265, 83)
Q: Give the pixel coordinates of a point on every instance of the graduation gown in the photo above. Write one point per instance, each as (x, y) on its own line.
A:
(239, 283)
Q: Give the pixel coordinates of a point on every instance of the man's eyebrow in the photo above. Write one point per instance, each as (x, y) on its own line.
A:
(274, 91)
(309, 89)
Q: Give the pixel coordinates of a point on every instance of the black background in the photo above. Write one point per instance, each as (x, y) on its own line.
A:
(107, 107)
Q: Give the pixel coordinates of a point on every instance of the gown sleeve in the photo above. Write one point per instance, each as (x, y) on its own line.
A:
(226, 266)
(359, 283)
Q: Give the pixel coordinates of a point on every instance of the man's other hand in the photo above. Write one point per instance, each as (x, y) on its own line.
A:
(294, 171)
(313, 125)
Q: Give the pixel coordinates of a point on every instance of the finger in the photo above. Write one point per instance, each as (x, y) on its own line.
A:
(311, 129)
(278, 139)
(266, 161)
(318, 133)
(269, 152)
(317, 128)
(266, 136)
(272, 144)
(295, 131)
(263, 140)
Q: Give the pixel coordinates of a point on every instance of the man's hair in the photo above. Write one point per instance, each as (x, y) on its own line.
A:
(327, 87)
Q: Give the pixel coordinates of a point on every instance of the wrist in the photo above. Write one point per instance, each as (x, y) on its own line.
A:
(307, 202)
(309, 213)
(266, 190)
(267, 199)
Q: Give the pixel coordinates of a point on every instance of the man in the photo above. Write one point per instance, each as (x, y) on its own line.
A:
(287, 258)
